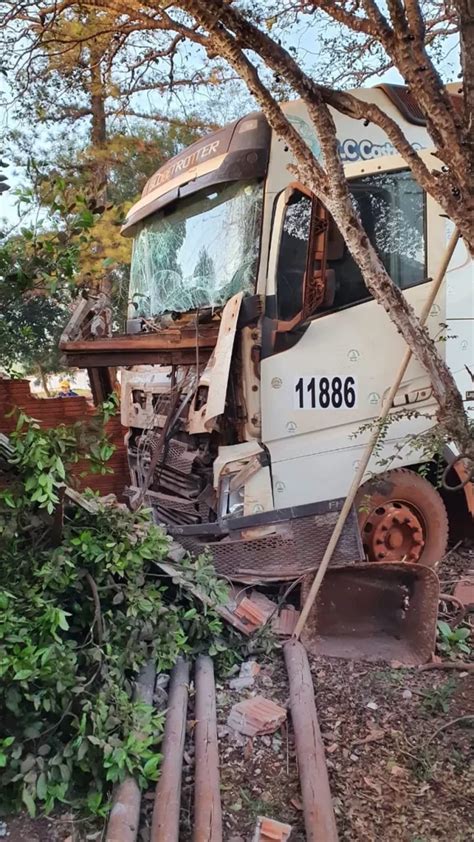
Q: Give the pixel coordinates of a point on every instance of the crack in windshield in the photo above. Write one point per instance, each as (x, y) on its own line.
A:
(198, 253)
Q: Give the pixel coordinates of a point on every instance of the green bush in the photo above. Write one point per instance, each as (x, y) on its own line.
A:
(77, 622)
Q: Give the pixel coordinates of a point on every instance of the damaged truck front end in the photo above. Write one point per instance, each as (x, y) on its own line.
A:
(190, 364)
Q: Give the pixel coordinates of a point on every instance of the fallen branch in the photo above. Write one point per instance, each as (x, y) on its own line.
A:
(448, 665)
(463, 609)
(447, 597)
(451, 551)
(468, 717)
(180, 579)
(97, 621)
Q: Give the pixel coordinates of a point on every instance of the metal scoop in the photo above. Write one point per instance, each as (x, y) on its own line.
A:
(375, 612)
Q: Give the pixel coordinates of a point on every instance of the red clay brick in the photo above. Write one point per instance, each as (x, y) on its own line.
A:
(269, 830)
(51, 412)
(256, 716)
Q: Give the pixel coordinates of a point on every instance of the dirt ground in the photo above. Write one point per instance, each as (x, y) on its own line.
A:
(400, 759)
(50, 829)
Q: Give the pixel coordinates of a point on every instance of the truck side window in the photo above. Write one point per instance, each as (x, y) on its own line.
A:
(392, 208)
(293, 256)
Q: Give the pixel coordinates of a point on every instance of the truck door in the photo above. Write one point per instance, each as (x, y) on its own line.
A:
(330, 352)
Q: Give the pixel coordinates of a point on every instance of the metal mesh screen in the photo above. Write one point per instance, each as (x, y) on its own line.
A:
(296, 547)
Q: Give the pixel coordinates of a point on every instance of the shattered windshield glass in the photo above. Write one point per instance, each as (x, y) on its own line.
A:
(198, 252)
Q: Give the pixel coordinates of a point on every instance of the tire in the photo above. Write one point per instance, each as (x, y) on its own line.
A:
(402, 508)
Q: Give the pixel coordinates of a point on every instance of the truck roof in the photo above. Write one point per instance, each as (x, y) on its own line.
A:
(240, 150)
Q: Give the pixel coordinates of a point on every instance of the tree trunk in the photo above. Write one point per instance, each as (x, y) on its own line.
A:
(98, 135)
(44, 380)
(98, 121)
(465, 10)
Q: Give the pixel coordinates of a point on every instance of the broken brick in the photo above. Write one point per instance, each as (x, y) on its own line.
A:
(250, 613)
(256, 716)
(249, 668)
(286, 621)
(269, 830)
(255, 610)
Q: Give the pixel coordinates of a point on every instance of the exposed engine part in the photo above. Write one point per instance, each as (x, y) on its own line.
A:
(170, 469)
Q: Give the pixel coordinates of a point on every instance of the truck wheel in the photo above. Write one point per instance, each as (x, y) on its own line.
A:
(402, 518)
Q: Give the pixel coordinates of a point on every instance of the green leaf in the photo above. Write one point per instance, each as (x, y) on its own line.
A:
(21, 675)
(28, 801)
(60, 468)
(42, 787)
(444, 628)
(462, 634)
(82, 750)
(150, 769)
(62, 622)
(94, 800)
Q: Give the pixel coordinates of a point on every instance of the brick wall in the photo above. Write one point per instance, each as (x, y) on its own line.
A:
(51, 412)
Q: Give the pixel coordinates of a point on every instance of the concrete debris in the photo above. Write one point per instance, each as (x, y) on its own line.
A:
(249, 668)
(285, 622)
(160, 699)
(242, 682)
(256, 716)
(464, 591)
(3, 829)
(176, 552)
(222, 732)
(269, 830)
(160, 696)
(372, 705)
(246, 678)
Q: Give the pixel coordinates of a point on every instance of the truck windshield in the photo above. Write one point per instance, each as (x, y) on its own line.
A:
(198, 252)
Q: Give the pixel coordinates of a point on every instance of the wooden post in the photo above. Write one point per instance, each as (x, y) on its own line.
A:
(362, 467)
(320, 823)
(165, 821)
(207, 800)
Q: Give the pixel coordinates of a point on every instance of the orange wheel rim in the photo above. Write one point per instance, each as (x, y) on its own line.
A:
(393, 531)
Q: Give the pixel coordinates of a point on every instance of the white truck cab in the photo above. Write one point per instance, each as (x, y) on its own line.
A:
(255, 360)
